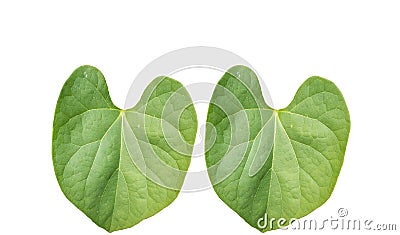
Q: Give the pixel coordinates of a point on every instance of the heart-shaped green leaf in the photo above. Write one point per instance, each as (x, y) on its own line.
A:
(121, 166)
(271, 166)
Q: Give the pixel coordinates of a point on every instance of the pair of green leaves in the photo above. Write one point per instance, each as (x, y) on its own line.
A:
(122, 166)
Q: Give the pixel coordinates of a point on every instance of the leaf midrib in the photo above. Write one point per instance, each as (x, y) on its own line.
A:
(277, 118)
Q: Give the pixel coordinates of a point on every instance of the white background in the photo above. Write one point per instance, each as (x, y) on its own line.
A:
(356, 44)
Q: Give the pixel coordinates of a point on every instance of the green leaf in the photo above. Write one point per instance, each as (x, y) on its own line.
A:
(269, 164)
(121, 166)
